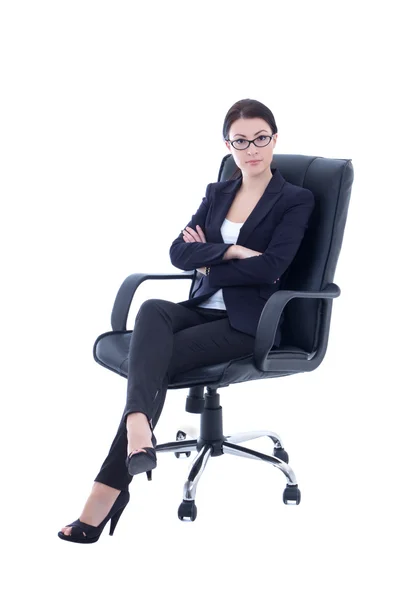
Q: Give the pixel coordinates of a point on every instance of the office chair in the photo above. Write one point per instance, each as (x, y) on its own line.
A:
(304, 301)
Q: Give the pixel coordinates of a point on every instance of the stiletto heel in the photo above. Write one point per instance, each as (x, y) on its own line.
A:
(79, 529)
(115, 519)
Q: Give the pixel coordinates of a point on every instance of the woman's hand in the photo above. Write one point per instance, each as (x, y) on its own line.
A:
(190, 235)
(243, 252)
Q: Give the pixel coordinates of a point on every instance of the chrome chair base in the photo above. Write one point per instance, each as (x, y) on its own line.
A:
(225, 445)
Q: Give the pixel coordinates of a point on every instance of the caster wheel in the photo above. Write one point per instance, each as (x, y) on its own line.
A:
(282, 454)
(187, 510)
(181, 435)
(291, 495)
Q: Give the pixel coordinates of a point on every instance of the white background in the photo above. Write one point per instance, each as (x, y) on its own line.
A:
(111, 129)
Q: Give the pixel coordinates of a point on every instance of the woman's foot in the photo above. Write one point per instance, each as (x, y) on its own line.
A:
(102, 496)
(97, 506)
(138, 433)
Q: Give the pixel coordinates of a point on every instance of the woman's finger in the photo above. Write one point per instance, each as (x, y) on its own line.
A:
(201, 234)
(193, 234)
(188, 238)
(198, 235)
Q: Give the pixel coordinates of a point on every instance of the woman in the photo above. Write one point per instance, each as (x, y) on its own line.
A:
(219, 322)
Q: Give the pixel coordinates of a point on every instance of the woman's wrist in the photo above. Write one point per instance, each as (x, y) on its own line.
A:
(231, 252)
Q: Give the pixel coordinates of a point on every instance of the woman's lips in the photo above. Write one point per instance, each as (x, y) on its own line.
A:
(254, 162)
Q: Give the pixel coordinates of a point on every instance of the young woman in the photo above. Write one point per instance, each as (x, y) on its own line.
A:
(268, 215)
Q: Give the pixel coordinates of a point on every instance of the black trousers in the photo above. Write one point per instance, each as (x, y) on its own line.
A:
(167, 339)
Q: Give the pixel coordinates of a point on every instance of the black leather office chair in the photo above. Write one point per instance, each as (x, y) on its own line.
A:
(305, 297)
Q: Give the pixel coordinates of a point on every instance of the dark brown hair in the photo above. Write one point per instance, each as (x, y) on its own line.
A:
(247, 109)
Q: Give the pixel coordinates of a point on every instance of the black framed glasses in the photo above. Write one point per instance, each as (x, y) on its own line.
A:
(241, 144)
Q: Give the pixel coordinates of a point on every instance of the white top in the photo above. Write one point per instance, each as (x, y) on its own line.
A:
(230, 233)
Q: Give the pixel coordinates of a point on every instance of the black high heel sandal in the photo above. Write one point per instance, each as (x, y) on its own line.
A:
(93, 533)
(143, 461)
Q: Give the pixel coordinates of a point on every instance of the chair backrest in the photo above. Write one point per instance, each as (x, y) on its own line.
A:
(314, 265)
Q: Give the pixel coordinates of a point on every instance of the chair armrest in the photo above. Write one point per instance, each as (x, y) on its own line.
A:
(127, 290)
(271, 314)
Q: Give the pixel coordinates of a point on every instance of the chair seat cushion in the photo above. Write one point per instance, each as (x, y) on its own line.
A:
(111, 350)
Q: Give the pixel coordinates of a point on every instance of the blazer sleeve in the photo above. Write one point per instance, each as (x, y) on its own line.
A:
(280, 252)
(187, 256)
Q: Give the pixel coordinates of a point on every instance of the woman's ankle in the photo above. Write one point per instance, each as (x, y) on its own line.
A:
(139, 421)
(103, 488)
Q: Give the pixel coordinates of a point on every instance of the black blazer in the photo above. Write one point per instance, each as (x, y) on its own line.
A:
(276, 227)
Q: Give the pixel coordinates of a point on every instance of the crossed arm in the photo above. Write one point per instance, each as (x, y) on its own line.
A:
(234, 251)
(227, 267)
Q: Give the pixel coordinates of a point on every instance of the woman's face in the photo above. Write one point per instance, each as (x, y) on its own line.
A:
(248, 129)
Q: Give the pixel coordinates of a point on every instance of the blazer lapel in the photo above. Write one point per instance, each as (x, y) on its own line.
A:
(223, 203)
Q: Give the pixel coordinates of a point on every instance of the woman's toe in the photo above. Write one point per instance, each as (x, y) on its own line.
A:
(68, 530)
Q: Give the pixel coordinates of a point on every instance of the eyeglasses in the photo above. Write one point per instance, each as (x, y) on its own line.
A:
(241, 144)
